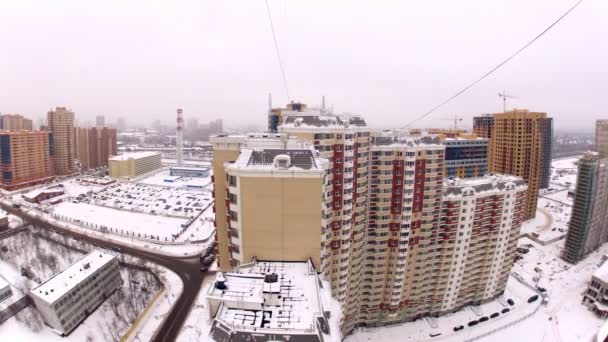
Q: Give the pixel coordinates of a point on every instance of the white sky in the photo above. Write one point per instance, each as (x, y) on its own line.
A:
(388, 60)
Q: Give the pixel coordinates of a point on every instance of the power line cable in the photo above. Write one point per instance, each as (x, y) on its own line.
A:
(276, 46)
(496, 67)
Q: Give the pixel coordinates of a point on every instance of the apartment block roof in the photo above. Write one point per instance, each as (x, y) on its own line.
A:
(486, 184)
(316, 118)
(602, 272)
(134, 155)
(269, 295)
(66, 280)
(278, 159)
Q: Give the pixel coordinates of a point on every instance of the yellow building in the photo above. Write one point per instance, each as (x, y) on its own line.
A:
(521, 146)
(274, 209)
(25, 159)
(601, 137)
(135, 164)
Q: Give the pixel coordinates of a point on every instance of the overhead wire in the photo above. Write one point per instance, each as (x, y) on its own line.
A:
(276, 47)
(496, 67)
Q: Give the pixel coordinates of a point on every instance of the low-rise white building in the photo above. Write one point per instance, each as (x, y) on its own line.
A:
(70, 296)
(596, 296)
(5, 289)
(271, 301)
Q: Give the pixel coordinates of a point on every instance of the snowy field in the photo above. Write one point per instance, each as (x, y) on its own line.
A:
(564, 318)
(43, 254)
(160, 178)
(138, 225)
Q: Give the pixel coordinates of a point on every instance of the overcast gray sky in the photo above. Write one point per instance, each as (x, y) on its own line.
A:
(388, 60)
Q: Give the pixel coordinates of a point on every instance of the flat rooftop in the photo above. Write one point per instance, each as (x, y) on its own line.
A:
(296, 298)
(3, 283)
(304, 159)
(487, 183)
(134, 155)
(189, 168)
(315, 118)
(602, 272)
(66, 280)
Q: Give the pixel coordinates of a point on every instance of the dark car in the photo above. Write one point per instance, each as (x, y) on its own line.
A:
(460, 327)
(533, 299)
(472, 323)
(505, 310)
(494, 315)
(483, 319)
(510, 301)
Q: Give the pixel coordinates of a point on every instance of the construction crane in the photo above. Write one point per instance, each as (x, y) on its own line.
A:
(504, 96)
(455, 119)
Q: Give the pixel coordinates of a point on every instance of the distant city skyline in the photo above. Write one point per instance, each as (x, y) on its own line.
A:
(390, 62)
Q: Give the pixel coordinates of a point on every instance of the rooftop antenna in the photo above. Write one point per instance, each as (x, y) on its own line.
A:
(504, 96)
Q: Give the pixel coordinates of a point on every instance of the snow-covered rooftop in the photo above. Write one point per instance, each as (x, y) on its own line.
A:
(301, 159)
(269, 295)
(602, 273)
(3, 283)
(66, 280)
(485, 184)
(315, 118)
(134, 155)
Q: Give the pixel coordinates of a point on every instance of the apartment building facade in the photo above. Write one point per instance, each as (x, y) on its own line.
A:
(587, 228)
(466, 156)
(15, 122)
(61, 125)
(70, 296)
(482, 125)
(134, 164)
(26, 158)
(289, 182)
(601, 137)
(519, 147)
(94, 146)
(396, 242)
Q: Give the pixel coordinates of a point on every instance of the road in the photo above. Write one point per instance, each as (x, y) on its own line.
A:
(187, 268)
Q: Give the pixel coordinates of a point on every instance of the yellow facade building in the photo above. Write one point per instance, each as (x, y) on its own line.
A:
(135, 164)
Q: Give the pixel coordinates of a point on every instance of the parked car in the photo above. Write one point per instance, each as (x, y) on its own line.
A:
(460, 327)
(510, 301)
(494, 315)
(505, 310)
(483, 319)
(472, 323)
(533, 299)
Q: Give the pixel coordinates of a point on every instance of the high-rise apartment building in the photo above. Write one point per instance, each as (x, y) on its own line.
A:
(26, 158)
(396, 242)
(519, 146)
(94, 145)
(288, 180)
(546, 131)
(277, 115)
(587, 229)
(601, 137)
(15, 122)
(61, 125)
(482, 125)
(100, 121)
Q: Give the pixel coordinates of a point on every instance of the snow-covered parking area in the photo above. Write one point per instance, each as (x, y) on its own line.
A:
(150, 199)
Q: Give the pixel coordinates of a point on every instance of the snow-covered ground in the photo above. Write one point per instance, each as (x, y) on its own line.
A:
(161, 178)
(421, 330)
(564, 318)
(43, 254)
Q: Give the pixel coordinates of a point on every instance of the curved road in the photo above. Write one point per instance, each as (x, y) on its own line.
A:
(187, 268)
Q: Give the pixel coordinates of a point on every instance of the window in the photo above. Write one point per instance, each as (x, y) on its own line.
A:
(234, 216)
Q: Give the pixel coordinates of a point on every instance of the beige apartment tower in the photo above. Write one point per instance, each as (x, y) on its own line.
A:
(61, 125)
(520, 147)
(601, 137)
(14, 123)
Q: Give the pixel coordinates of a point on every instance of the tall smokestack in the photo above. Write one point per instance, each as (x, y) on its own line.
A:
(180, 142)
